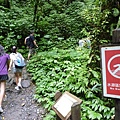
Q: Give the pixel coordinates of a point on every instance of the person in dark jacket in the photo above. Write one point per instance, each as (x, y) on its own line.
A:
(32, 44)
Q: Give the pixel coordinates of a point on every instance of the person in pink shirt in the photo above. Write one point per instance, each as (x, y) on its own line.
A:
(4, 62)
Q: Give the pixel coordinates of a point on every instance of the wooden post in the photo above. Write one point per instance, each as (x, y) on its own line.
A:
(117, 109)
(75, 111)
(116, 40)
(57, 96)
(116, 36)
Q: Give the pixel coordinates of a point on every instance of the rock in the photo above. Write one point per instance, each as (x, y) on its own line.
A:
(26, 83)
(22, 104)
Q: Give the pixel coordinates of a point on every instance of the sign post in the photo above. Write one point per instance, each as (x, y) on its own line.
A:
(115, 40)
(110, 56)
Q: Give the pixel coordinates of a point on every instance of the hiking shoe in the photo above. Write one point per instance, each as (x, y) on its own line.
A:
(19, 85)
(1, 110)
(5, 98)
(17, 88)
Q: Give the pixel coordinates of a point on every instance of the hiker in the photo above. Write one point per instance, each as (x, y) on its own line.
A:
(81, 43)
(30, 42)
(15, 69)
(4, 63)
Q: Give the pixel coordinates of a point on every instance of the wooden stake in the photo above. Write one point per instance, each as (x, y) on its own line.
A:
(75, 111)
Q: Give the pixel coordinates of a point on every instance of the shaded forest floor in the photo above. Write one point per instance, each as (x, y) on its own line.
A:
(21, 105)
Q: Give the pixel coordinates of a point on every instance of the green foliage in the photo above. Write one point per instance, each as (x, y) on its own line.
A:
(62, 24)
(66, 70)
(115, 12)
(74, 21)
(59, 24)
(14, 25)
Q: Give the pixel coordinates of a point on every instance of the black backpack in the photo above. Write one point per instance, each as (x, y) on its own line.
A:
(28, 41)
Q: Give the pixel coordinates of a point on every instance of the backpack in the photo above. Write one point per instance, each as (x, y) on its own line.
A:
(28, 41)
(19, 62)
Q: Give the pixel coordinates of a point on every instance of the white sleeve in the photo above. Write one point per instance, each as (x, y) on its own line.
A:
(12, 57)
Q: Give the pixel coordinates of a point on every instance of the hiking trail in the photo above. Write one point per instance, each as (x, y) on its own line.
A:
(21, 105)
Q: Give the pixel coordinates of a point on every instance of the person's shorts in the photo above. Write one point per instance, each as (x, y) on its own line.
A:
(31, 51)
(3, 77)
(15, 70)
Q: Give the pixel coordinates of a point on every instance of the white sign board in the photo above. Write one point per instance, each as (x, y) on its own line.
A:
(63, 105)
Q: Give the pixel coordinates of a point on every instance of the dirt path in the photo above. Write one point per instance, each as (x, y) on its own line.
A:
(20, 105)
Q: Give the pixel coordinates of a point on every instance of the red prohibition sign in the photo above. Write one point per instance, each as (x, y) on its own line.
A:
(114, 66)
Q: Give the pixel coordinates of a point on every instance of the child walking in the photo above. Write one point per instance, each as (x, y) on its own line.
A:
(15, 70)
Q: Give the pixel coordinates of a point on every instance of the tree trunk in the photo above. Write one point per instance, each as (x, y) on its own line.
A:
(35, 9)
(7, 3)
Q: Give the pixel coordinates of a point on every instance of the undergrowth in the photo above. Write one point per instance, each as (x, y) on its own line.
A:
(67, 70)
